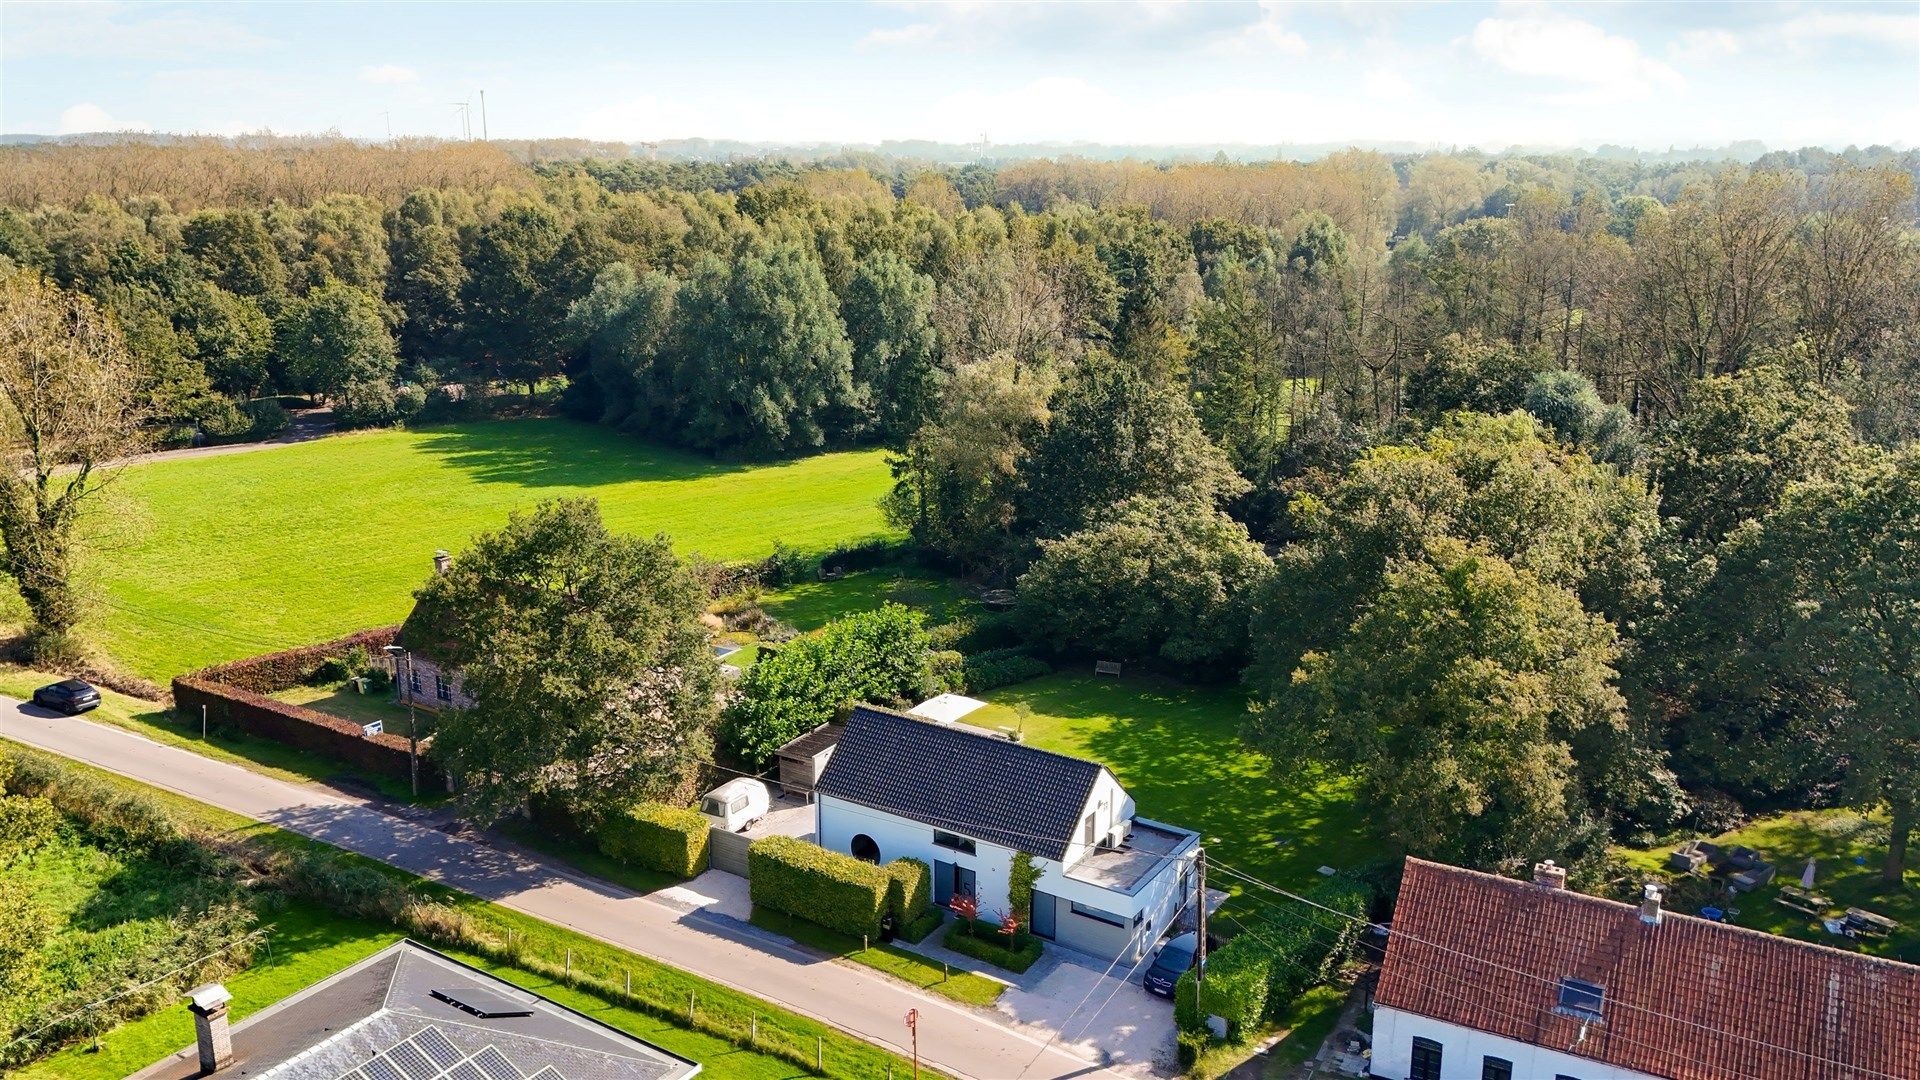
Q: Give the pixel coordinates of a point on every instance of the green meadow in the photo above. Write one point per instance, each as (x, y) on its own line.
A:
(219, 557)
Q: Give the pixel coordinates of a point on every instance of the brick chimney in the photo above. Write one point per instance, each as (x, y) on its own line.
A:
(1650, 912)
(442, 562)
(1547, 875)
(208, 1004)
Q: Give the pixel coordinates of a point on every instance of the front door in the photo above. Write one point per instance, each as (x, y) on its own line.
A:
(942, 883)
(1043, 914)
(963, 882)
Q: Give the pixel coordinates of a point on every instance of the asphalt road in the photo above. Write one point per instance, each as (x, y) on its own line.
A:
(956, 1039)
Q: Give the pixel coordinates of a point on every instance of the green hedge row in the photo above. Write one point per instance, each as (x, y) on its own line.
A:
(670, 839)
(1002, 667)
(909, 891)
(836, 891)
(1275, 958)
(983, 940)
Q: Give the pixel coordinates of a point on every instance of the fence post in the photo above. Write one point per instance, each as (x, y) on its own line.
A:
(864, 943)
(690, 996)
(629, 982)
(569, 963)
(943, 971)
(819, 1054)
(753, 1031)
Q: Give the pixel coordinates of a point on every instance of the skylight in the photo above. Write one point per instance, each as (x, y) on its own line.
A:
(1581, 999)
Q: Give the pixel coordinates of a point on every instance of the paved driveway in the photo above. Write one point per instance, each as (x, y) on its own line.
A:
(1106, 1015)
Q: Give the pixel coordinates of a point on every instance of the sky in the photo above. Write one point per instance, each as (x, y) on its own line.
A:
(1652, 75)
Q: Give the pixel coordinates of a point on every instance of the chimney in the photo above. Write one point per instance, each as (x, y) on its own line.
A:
(1650, 912)
(1547, 875)
(209, 1007)
(442, 562)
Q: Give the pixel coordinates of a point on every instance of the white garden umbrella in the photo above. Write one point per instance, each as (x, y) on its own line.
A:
(1806, 876)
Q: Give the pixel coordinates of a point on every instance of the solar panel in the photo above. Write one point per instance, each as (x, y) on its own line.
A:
(466, 1070)
(382, 1069)
(413, 1061)
(495, 1065)
(484, 1002)
(439, 1049)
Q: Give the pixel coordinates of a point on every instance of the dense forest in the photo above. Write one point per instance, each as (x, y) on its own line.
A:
(1556, 498)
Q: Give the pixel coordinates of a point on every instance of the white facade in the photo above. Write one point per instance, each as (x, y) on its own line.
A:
(1123, 918)
(1464, 1051)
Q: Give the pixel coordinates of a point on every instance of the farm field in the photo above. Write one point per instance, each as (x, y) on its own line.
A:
(231, 556)
(1178, 751)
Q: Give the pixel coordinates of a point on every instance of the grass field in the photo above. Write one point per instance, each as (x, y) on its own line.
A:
(1178, 751)
(1849, 851)
(235, 555)
(810, 605)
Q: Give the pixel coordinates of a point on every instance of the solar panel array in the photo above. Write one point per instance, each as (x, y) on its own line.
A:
(429, 1055)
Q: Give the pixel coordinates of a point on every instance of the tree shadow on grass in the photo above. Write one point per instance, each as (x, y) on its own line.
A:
(563, 453)
(1178, 750)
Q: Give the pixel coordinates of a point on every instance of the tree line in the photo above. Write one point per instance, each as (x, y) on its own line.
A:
(1532, 491)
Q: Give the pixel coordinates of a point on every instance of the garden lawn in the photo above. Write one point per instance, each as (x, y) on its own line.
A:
(810, 605)
(928, 974)
(1178, 751)
(1849, 850)
(235, 555)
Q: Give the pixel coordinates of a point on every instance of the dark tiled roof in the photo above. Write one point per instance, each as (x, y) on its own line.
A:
(810, 744)
(1687, 999)
(952, 778)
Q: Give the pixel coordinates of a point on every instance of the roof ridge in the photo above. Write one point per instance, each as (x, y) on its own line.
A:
(958, 728)
(1529, 888)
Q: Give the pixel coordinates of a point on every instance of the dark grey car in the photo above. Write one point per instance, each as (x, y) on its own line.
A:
(71, 696)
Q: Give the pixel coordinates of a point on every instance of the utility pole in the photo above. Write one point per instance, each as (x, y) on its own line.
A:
(1200, 951)
(483, 116)
(413, 726)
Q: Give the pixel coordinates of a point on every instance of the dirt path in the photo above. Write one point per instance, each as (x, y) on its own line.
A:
(307, 425)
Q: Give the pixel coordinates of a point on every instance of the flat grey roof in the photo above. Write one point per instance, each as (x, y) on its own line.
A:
(1125, 870)
(390, 1009)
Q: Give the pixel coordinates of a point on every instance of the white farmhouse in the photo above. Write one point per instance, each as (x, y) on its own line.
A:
(1488, 978)
(965, 801)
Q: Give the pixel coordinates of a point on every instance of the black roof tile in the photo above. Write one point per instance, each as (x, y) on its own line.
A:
(975, 784)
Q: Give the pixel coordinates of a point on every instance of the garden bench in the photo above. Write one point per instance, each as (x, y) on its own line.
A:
(1106, 667)
(1801, 900)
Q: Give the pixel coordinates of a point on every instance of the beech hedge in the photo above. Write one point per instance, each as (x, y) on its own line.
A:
(670, 839)
(825, 887)
(909, 891)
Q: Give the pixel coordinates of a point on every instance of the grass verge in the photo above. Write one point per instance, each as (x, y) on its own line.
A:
(965, 987)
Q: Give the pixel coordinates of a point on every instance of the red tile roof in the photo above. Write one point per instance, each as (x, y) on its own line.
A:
(1687, 999)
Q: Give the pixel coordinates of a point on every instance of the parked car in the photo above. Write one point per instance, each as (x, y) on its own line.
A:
(1171, 962)
(736, 804)
(72, 697)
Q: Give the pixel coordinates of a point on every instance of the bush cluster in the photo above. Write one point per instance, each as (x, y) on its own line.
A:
(825, 887)
(1271, 962)
(878, 656)
(670, 839)
(1003, 667)
(983, 940)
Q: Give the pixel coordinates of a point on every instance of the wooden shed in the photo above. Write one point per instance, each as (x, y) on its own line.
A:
(805, 758)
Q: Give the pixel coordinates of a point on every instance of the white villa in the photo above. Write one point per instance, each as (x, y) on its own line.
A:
(965, 800)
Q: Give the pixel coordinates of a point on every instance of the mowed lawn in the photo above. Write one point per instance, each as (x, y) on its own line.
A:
(1178, 751)
(229, 556)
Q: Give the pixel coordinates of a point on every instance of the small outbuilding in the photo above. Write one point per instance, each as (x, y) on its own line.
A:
(805, 758)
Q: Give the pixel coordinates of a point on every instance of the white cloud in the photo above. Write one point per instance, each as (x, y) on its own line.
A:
(1872, 27)
(1540, 43)
(1696, 46)
(121, 30)
(388, 74)
(1386, 84)
(1268, 33)
(86, 118)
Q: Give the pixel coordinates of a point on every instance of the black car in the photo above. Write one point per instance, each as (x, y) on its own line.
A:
(72, 697)
(1173, 960)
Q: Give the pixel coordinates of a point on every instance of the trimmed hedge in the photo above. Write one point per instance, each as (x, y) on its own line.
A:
(983, 940)
(274, 672)
(670, 839)
(836, 891)
(917, 930)
(909, 891)
(1275, 959)
(1002, 667)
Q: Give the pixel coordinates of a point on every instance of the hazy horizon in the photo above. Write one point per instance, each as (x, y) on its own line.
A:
(1147, 74)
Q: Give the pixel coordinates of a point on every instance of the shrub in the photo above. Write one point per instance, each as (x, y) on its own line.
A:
(267, 416)
(983, 941)
(1002, 667)
(369, 403)
(409, 401)
(909, 890)
(670, 839)
(879, 656)
(917, 930)
(785, 566)
(219, 418)
(1239, 977)
(825, 887)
